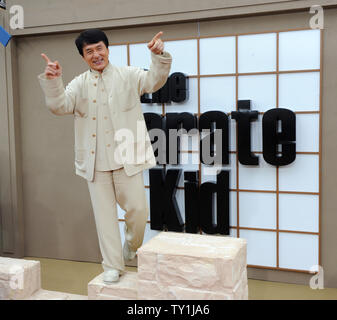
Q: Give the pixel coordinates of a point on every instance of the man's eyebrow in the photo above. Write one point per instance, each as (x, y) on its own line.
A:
(99, 45)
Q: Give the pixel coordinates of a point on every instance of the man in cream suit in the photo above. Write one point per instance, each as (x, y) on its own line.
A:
(112, 146)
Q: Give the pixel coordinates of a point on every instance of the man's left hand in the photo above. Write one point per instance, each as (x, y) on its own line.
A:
(156, 45)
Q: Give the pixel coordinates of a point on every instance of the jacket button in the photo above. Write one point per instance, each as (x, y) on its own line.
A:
(93, 135)
(93, 152)
(94, 118)
(105, 117)
(108, 145)
(95, 84)
(94, 101)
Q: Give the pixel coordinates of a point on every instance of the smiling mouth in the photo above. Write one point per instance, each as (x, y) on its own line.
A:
(98, 62)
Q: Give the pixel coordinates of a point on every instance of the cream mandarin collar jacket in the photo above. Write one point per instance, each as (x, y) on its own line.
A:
(125, 85)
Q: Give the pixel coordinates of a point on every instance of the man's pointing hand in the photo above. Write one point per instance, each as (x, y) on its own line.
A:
(53, 69)
(156, 45)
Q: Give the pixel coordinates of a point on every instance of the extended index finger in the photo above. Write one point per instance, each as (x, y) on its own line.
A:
(158, 35)
(45, 58)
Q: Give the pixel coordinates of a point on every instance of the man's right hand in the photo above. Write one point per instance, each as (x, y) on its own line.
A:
(53, 70)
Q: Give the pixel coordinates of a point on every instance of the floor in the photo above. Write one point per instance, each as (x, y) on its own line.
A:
(73, 277)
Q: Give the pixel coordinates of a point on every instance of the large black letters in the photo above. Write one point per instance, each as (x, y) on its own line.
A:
(212, 121)
(192, 202)
(243, 119)
(200, 209)
(207, 210)
(272, 137)
(175, 89)
(177, 121)
(164, 210)
(178, 87)
(154, 122)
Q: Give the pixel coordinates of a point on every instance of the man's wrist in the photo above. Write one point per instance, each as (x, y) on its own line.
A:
(159, 54)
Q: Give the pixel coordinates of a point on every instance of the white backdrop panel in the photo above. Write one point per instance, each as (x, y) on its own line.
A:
(299, 91)
(299, 212)
(301, 175)
(217, 55)
(217, 93)
(298, 251)
(118, 55)
(257, 53)
(261, 247)
(307, 132)
(257, 210)
(261, 177)
(184, 54)
(261, 90)
(140, 55)
(299, 50)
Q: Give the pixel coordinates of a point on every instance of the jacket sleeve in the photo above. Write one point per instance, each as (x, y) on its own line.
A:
(155, 78)
(59, 101)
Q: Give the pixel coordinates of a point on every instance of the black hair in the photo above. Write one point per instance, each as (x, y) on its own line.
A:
(90, 36)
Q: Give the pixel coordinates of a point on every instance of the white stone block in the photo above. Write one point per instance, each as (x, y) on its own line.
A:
(195, 260)
(19, 278)
(240, 291)
(55, 295)
(124, 289)
(245, 294)
(147, 264)
(153, 290)
(192, 266)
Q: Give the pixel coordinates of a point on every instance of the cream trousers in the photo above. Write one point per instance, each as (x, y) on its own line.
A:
(106, 190)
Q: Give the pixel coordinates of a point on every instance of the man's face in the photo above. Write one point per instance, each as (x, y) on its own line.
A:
(96, 55)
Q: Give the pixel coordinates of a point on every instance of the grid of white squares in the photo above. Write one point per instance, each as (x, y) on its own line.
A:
(299, 51)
